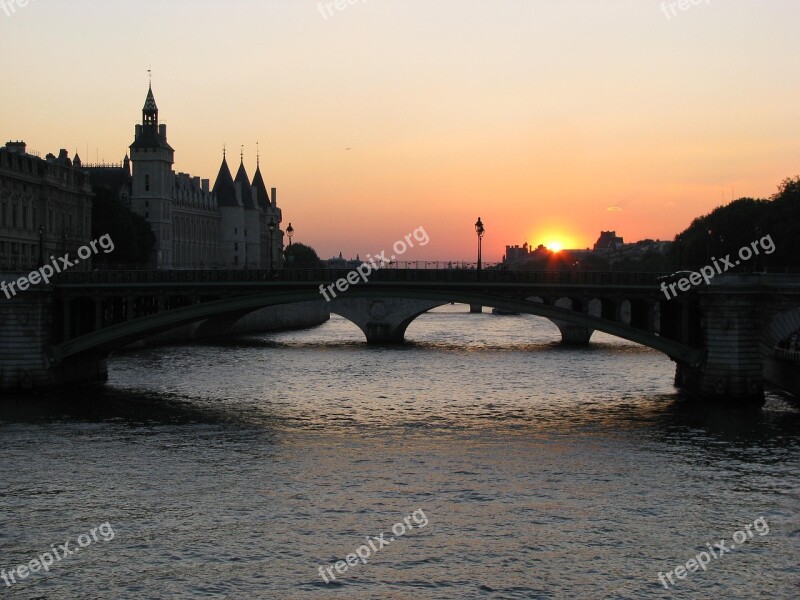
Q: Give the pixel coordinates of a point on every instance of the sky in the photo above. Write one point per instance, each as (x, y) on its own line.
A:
(550, 119)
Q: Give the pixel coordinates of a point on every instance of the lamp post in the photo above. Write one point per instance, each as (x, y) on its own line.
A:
(41, 246)
(289, 257)
(271, 228)
(480, 231)
(708, 246)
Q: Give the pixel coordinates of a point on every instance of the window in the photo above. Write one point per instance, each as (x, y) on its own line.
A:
(236, 261)
(236, 246)
(147, 183)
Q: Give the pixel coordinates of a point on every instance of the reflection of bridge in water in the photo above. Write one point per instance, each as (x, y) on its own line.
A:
(719, 336)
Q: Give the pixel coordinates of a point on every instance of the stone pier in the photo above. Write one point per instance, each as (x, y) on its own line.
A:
(383, 321)
(733, 370)
(26, 330)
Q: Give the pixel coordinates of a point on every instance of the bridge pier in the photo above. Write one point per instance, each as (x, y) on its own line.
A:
(573, 335)
(383, 321)
(732, 372)
(26, 330)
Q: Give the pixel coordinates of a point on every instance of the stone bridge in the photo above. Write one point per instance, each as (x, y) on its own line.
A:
(719, 335)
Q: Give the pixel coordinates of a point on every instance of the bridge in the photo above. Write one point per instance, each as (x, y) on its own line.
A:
(720, 336)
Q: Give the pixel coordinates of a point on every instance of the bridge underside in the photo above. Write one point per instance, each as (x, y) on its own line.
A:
(383, 315)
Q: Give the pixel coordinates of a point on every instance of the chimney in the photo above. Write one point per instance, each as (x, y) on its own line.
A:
(274, 197)
(205, 186)
(16, 147)
(162, 131)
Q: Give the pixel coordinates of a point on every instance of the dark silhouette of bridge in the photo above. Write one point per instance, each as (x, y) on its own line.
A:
(718, 335)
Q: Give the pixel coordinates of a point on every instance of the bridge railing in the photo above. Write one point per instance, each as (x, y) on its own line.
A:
(327, 276)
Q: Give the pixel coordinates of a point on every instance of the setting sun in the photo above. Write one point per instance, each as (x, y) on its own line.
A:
(554, 246)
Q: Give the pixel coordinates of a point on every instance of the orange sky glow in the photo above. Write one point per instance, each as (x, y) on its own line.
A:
(550, 120)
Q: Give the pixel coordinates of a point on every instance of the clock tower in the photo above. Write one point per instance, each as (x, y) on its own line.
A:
(152, 179)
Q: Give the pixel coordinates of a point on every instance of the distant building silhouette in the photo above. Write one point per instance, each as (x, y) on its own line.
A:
(340, 262)
(608, 242)
(45, 207)
(517, 255)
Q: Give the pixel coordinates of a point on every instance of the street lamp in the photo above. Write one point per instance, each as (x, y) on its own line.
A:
(41, 246)
(288, 254)
(480, 231)
(271, 228)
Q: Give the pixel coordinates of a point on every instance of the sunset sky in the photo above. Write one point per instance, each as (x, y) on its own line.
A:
(551, 120)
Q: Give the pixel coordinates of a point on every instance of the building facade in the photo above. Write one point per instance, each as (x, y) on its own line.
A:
(196, 226)
(45, 208)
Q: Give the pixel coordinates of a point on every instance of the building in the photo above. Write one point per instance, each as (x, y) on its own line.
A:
(45, 208)
(608, 241)
(234, 225)
(517, 255)
(340, 262)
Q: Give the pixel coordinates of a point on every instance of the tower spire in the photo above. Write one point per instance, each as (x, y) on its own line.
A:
(150, 110)
(258, 156)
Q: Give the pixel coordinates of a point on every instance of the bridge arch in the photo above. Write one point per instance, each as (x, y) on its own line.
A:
(779, 327)
(103, 341)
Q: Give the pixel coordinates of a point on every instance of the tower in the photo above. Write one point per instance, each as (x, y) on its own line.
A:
(232, 242)
(252, 225)
(152, 159)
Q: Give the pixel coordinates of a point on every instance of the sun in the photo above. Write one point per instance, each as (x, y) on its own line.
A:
(554, 246)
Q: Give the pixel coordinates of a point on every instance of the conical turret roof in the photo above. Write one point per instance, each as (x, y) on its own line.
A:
(262, 197)
(244, 181)
(224, 188)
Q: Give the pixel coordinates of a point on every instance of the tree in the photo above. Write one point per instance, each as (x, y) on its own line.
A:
(728, 228)
(133, 238)
(300, 256)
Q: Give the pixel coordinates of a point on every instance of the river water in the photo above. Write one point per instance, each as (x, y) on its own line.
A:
(523, 469)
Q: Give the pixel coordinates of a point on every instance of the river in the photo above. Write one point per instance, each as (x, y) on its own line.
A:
(523, 469)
